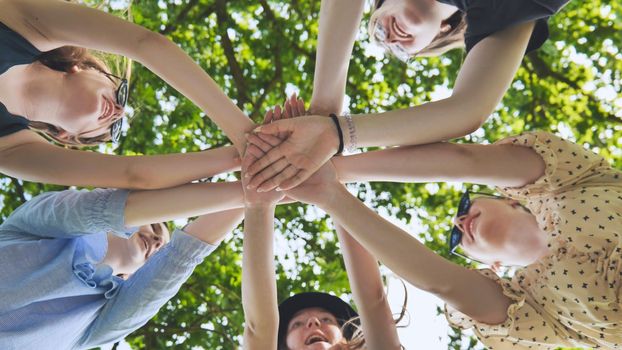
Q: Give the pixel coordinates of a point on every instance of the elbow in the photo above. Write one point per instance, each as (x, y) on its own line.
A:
(260, 327)
(147, 45)
(472, 112)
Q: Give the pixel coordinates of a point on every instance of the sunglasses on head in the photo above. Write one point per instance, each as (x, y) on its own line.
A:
(122, 95)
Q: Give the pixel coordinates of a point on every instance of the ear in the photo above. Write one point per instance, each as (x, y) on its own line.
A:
(445, 27)
(496, 266)
(74, 69)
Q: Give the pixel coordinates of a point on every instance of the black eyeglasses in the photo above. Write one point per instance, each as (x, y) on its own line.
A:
(122, 95)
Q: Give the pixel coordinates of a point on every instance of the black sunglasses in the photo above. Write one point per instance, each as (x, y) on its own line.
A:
(379, 3)
(455, 237)
(122, 95)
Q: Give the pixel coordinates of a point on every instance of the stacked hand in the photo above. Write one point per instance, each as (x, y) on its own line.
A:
(316, 189)
(310, 141)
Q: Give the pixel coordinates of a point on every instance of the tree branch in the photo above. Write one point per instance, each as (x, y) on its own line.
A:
(224, 21)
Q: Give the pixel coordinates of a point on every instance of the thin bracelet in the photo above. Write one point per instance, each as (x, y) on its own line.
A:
(351, 147)
(339, 132)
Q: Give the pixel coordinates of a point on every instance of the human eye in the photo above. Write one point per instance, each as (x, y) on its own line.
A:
(328, 320)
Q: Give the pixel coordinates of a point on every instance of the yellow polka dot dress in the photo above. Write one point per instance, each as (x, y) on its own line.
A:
(571, 297)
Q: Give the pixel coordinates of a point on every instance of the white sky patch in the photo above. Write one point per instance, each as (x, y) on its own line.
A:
(565, 131)
(440, 92)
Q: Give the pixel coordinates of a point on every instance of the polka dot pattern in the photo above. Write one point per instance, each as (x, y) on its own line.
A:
(571, 297)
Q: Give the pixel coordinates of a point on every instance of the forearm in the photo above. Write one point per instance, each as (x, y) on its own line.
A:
(212, 228)
(259, 297)
(496, 165)
(26, 156)
(435, 121)
(146, 207)
(172, 64)
(339, 23)
(369, 294)
(407, 257)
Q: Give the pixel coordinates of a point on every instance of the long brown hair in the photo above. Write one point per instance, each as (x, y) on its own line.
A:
(444, 40)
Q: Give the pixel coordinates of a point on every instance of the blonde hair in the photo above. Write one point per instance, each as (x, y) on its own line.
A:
(357, 340)
(442, 42)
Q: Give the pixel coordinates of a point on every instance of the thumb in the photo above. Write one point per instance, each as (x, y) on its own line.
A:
(274, 128)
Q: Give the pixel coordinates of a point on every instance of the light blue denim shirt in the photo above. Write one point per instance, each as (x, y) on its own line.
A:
(55, 294)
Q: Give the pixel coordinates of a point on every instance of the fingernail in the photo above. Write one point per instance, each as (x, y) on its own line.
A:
(258, 129)
(278, 189)
(261, 190)
(246, 176)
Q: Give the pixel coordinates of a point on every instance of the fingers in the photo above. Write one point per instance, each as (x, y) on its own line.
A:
(288, 109)
(276, 127)
(260, 142)
(274, 182)
(283, 171)
(268, 117)
(295, 180)
(254, 151)
(301, 107)
(272, 156)
(272, 140)
(278, 114)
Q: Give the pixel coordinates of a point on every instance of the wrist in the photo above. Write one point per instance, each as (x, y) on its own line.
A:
(260, 206)
(349, 133)
(335, 120)
(334, 196)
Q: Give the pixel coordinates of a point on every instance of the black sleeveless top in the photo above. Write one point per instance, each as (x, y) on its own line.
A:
(486, 17)
(14, 50)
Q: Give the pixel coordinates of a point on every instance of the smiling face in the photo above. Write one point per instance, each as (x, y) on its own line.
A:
(87, 103)
(500, 231)
(313, 329)
(409, 24)
(126, 256)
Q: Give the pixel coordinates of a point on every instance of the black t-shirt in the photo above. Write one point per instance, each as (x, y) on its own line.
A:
(486, 17)
(14, 50)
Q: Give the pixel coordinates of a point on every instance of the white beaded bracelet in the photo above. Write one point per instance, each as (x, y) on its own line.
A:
(351, 145)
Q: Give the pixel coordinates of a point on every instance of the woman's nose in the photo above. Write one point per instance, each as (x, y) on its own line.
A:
(313, 321)
(459, 221)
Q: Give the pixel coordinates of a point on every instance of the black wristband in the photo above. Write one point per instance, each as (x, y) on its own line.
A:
(333, 116)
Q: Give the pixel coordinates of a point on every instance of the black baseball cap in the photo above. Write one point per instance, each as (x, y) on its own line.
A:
(339, 308)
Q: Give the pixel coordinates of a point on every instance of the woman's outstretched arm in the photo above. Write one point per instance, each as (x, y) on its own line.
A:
(52, 24)
(339, 24)
(259, 297)
(494, 165)
(369, 294)
(26, 155)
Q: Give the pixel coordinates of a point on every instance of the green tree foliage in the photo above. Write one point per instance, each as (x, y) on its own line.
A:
(256, 49)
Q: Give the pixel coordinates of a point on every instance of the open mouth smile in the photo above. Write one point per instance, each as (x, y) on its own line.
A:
(315, 338)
